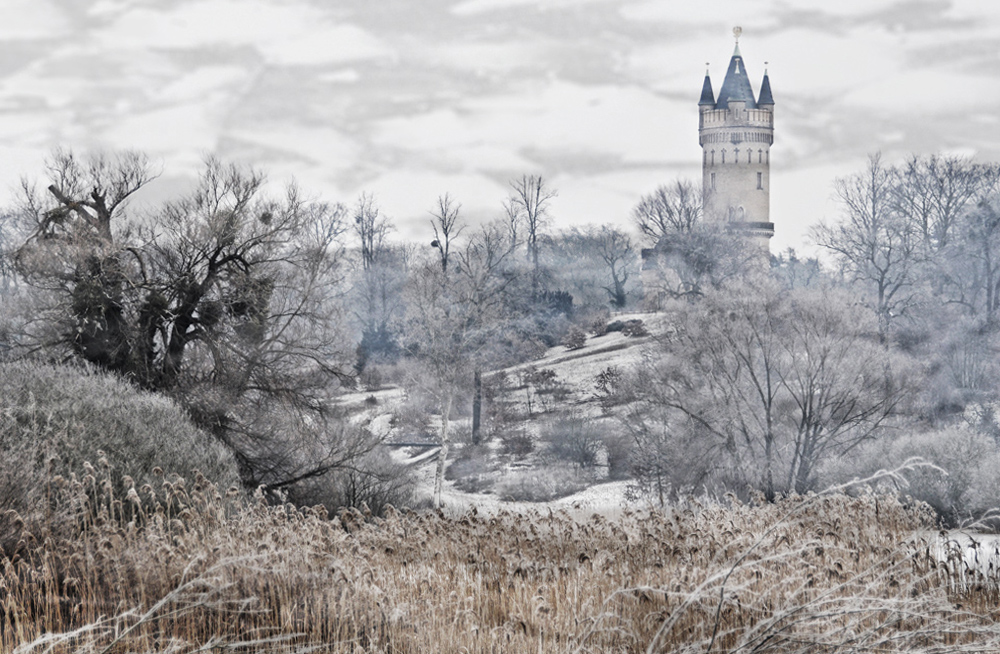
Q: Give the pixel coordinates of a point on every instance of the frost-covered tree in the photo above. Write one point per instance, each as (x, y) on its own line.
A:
(225, 298)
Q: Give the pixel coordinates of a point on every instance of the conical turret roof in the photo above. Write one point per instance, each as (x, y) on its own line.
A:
(765, 91)
(707, 95)
(736, 86)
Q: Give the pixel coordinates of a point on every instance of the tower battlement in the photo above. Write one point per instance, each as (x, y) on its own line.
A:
(716, 118)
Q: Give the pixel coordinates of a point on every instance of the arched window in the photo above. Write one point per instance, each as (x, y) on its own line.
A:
(760, 181)
(749, 154)
(713, 181)
(713, 157)
(723, 155)
(760, 156)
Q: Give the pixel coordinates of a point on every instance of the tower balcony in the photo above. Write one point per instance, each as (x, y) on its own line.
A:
(747, 228)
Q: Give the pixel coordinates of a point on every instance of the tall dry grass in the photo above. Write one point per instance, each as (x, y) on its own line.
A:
(184, 568)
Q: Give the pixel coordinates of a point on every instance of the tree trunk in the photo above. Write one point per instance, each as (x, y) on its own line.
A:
(443, 452)
(477, 404)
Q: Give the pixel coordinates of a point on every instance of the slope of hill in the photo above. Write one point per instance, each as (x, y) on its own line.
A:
(542, 421)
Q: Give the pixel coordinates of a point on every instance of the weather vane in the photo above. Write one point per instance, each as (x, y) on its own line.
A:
(736, 33)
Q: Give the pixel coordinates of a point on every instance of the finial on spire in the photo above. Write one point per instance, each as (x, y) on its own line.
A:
(736, 33)
(707, 65)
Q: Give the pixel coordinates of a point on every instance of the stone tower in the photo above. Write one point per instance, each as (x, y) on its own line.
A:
(735, 132)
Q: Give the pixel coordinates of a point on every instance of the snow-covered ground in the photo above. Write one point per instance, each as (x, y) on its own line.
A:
(575, 370)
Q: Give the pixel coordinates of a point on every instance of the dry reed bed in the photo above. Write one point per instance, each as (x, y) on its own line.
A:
(184, 569)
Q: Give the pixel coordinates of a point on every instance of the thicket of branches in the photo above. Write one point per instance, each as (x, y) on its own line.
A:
(256, 311)
(790, 379)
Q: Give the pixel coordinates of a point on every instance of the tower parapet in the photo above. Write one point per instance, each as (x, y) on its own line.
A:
(735, 132)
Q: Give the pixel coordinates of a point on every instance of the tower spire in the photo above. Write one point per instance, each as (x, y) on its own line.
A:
(765, 97)
(736, 86)
(707, 94)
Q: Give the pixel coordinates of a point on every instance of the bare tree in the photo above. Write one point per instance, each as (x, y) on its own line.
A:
(588, 261)
(933, 192)
(377, 287)
(769, 385)
(876, 246)
(69, 249)
(454, 321)
(446, 227)
(485, 275)
(225, 299)
(668, 210)
(441, 328)
(530, 201)
(371, 227)
(707, 257)
(843, 386)
(969, 266)
(378, 303)
(796, 272)
(616, 250)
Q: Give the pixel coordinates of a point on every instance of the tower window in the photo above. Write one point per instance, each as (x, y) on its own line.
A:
(736, 155)
(713, 181)
(713, 157)
(760, 156)
(749, 154)
(723, 155)
(760, 181)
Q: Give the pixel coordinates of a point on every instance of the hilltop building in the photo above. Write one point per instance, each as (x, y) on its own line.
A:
(735, 131)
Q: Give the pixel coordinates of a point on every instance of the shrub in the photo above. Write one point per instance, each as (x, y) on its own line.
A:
(610, 387)
(574, 339)
(471, 471)
(371, 378)
(540, 485)
(573, 440)
(618, 449)
(968, 488)
(516, 442)
(634, 328)
(599, 327)
(412, 421)
(374, 481)
(56, 419)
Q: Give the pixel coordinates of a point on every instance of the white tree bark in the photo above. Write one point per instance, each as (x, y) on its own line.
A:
(443, 453)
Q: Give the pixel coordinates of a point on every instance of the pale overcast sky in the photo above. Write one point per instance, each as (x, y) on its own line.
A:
(409, 99)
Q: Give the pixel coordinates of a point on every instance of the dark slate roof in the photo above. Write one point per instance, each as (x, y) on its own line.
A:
(737, 84)
(707, 95)
(765, 91)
